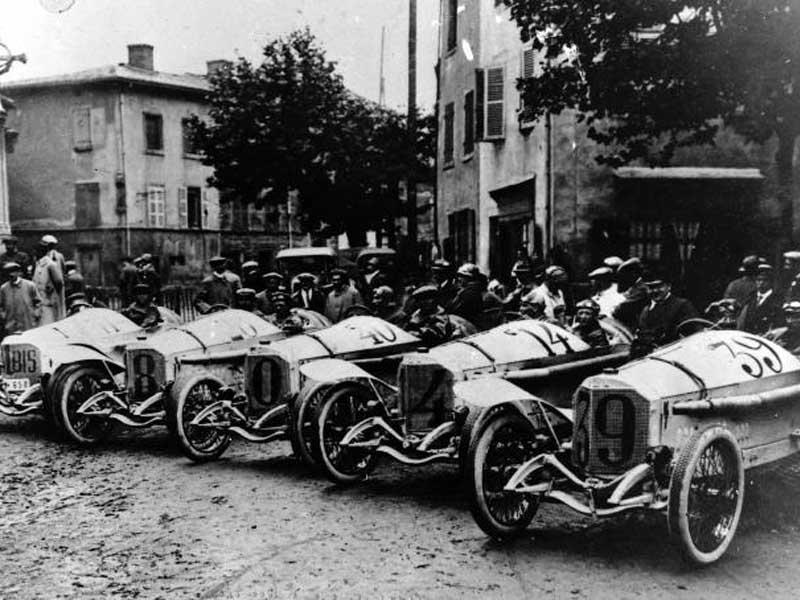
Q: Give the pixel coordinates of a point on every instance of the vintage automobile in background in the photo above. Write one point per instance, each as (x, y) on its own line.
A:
(90, 399)
(421, 420)
(205, 409)
(35, 360)
(317, 260)
(672, 432)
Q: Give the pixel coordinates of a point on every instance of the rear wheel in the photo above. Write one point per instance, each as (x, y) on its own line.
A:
(187, 398)
(706, 495)
(74, 387)
(499, 448)
(303, 426)
(340, 409)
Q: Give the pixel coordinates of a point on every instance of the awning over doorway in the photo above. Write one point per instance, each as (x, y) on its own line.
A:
(696, 173)
(513, 191)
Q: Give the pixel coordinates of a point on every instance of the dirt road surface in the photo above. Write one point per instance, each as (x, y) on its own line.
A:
(134, 519)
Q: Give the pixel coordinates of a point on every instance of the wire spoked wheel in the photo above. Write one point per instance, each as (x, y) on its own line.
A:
(339, 411)
(706, 495)
(188, 398)
(303, 426)
(72, 390)
(502, 445)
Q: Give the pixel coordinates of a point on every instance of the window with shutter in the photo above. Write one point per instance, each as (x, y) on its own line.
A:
(193, 205)
(527, 71)
(153, 133)
(469, 123)
(156, 200)
(183, 209)
(494, 128)
(479, 102)
(204, 216)
(449, 141)
(82, 128)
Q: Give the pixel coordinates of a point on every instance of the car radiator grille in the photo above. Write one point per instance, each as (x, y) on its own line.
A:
(146, 373)
(426, 393)
(267, 379)
(611, 430)
(21, 360)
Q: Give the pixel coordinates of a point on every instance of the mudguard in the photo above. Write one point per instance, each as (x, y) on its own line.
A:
(70, 354)
(485, 393)
(335, 370)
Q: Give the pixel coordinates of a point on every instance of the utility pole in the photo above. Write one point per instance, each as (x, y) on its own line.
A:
(411, 186)
(382, 84)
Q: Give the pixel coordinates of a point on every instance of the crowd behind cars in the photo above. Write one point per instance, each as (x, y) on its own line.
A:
(453, 302)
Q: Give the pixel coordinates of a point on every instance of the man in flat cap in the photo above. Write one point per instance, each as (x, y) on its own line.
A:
(764, 309)
(148, 274)
(605, 290)
(522, 273)
(551, 292)
(341, 297)
(443, 275)
(468, 301)
(246, 300)
(20, 303)
(48, 275)
(791, 275)
(73, 280)
(629, 279)
(143, 310)
(270, 283)
(429, 322)
(587, 325)
(216, 289)
(12, 253)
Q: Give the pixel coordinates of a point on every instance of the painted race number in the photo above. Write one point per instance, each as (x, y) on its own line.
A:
(20, 360)
(378, 334)
(754, 356)
(613, 422)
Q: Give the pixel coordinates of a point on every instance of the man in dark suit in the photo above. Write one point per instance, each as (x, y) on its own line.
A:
(660, 318)
(307, 295)
(636, 297)
(764, 310)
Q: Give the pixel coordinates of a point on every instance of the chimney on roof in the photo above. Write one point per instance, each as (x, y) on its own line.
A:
(140, 56)
(215, 66)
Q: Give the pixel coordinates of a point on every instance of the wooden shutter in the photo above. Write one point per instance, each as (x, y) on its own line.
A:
(449, 133)
(87, 205)
(479, 102)
(469, 123)
(82, 128)
(495, 114)
(527, 70)
(183, 208)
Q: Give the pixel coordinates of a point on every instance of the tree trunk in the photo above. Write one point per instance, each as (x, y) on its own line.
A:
(784, 162)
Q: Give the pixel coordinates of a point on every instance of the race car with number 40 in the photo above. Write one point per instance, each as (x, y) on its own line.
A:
(672, 432)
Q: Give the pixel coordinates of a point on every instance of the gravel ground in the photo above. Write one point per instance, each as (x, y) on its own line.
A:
(134, 519)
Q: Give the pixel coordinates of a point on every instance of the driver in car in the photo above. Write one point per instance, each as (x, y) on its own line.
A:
(788, 336)
(429, 322)
(586, 325)
(143, 311)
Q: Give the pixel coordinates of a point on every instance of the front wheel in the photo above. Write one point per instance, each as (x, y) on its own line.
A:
(70, 390)
(706, 495)
(340, 409)
(501, 446)
(187, 397)
(303, 425)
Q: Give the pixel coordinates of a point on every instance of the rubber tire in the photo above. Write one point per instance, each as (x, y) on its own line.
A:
(175, 403)
(61, 390)
(331, 471)
(468, 429)
(303, 448)
(679, 494)
(49, 404)
(476, 457)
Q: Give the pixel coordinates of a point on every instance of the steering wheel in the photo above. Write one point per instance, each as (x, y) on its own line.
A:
(694, 321)
(216, 308)
(358, 310)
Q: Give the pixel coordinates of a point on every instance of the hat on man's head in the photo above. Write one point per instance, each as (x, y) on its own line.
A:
(793, 255)
(10, 239)
(280, 295)
(425, 292)
(556, 273)
(613, 262)
(246, 293)
(141, 288)
(601, 272)
(765, 269)
(792, 308)
(749, 264)
(633, 265)
(272, 276)
(217, 260)
(250, 264)
(11, 266)
(655, 274)
(70, 264)
(340, 273)
(469, 270)
(48, 240)
(147, 257)
(589, 304)
(442, 265)
(522, 266)
(305, 277)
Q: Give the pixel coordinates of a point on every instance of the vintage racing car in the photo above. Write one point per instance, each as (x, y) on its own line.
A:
(35, 359)
(130, 392)
(422, 420)
(205, 408)
(672, 432)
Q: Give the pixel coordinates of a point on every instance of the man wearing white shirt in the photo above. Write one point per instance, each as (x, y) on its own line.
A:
(605, 290)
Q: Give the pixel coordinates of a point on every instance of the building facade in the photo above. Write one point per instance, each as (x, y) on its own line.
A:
(507, 184)
(104, 162)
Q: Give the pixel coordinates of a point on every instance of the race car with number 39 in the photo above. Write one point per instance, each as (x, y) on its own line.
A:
(672, 432)
(91, 399)
(422, 420)
(205, 410)
(36, 360)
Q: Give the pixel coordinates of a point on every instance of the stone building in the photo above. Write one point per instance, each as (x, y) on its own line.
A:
(505, 182)
(103, 161)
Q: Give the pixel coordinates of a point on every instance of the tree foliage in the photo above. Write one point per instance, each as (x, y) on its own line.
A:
(653, 75)
(290, 123)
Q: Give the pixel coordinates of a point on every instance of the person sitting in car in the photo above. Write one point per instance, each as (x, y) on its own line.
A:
(764, 310)
(789, 335)
(429, 322)
(246, 300)
(217, 288)
(551, 292)
(271, 282)
(77, 302)
(587, 324)
(723, 313)
(143, 311)
(468, 301)
(385, 307)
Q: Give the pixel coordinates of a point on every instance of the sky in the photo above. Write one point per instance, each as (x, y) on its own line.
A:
(187, 33)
